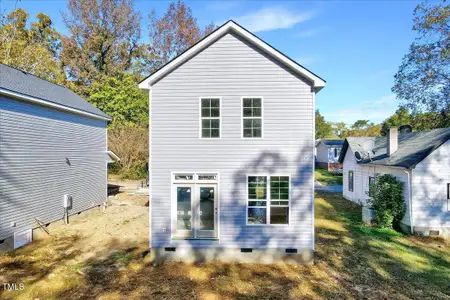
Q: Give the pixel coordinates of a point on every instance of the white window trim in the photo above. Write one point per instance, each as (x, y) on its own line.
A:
(267, 200)
(242, 118)
(200, 117)
(173, 206)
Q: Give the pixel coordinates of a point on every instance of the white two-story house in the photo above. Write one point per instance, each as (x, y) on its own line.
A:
(232, 152)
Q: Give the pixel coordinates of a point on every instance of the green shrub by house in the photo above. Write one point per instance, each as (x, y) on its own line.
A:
(387, 200)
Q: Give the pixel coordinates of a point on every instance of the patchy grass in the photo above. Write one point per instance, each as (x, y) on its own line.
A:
(327, 178)
(352, 261)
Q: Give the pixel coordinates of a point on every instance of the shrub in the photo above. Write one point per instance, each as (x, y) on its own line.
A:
(387, 200)
(131, 145)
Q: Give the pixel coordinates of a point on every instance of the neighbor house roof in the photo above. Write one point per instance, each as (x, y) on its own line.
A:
(23, 85)
(331, 143)
(232, 26)
(412, 148)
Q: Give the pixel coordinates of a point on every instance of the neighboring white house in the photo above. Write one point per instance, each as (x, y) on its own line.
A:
(232, 152)
(52, 143)
(327, 153)
(421, 160)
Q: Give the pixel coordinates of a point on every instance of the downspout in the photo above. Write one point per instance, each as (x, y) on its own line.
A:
(408, 173)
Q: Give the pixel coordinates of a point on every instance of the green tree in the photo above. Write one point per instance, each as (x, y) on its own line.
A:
(103, 40)
(173, 33)
(339, 129)
(399, 118)
(119, 97)
(33, 49)
(423, 79)
(364, 128)
(323, 128)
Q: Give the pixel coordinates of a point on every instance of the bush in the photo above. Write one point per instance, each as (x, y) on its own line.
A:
(131, 145)
(387, 200)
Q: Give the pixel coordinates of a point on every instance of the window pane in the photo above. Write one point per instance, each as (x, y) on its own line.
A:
(215, 123)
(256, 132)
(256, 112)
(206, 208)
(257, 187)
(206, 124)
(206, 133)
(257, 203)
(215, 133)
(247, 112)
(256, 102)
(215, 102)
(247, 133)
(184, 208)
(274, 194)
(257, 123)
(205, 103)
(256, 215)
(247, 102)
(279, 187)
(284, 196)
(279, 215)
(206, 112)
(247, 123)
(215, 112)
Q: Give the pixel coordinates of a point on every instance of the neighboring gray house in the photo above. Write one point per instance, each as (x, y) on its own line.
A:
(327, 154)
(421, 160)
(232, 152)
(52, 143)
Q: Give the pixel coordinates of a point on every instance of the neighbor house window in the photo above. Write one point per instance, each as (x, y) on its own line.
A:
(371, 184)
(350, 181)
(448, 190)
(335, 152)
(252, 117)
(210, 117)
(268, 200)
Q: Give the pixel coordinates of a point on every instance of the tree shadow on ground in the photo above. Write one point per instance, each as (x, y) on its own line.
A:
(352, 261)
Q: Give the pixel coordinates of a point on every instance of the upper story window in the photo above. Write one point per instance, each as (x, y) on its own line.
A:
(210, 118)
(252, 117)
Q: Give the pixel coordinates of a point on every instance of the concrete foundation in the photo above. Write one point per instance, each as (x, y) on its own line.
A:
(261, 256)
(427, 231)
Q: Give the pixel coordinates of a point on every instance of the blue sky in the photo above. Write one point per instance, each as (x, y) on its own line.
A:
(356, 46)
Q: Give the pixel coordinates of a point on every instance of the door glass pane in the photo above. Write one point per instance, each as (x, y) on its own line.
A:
(184, 214)
(206, 208)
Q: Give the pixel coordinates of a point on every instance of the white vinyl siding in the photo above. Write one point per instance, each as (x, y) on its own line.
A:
(231, 68)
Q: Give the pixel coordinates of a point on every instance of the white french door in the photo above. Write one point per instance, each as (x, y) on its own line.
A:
(195, 212)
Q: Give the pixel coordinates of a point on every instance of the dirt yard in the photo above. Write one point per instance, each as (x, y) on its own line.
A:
(104, 256)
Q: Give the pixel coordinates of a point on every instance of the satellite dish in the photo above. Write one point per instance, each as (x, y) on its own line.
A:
(368, 146)
(358, 156)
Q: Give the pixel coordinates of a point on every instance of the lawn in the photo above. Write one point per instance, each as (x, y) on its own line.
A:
(352, 261)
(327, 178)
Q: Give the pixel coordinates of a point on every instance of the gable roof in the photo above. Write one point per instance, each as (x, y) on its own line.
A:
(412, 148)
(23, 85)
(331, 142)
(232, 26)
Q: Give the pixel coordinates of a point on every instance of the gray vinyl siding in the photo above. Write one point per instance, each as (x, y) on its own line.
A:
(231, 68)
(36, 144)
(322, 153)
(430, 207)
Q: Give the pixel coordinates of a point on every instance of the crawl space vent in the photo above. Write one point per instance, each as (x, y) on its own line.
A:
(170, 249)
(247, 250)
(291, 250)
(434, 232)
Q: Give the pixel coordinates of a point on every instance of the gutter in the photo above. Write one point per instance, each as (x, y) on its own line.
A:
(51, 104)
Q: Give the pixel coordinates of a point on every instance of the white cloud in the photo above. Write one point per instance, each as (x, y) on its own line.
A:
(375, 110)
(271, 18)
(307, 32)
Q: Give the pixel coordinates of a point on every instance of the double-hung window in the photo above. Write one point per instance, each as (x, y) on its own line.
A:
(268, 200)
(350, 181)
(252, 117)
(210, 118)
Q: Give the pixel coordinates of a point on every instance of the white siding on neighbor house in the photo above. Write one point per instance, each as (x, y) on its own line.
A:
(231, 68)
(322, 153)
(431, 208)
(37, 144)
(361, 175)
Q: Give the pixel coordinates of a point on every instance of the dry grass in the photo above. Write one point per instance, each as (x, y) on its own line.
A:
(352, 261)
